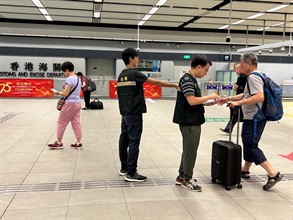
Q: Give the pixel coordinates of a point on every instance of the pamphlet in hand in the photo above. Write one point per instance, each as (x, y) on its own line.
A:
(210, 102)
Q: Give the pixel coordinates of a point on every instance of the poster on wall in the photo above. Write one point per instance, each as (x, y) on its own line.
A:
(23, 87)
(150, 90)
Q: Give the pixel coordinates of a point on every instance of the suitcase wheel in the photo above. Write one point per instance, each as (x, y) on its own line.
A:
(239, 186)
(228, 188)
(214, 180)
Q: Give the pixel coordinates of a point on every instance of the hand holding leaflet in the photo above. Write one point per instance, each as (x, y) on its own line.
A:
(210, 102)
(54, 91)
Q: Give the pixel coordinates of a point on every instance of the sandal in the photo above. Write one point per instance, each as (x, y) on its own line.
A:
(245, 174)
(272, 181)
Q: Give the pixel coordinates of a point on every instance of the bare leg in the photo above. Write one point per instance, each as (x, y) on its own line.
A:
(246, 166)
(268, 167)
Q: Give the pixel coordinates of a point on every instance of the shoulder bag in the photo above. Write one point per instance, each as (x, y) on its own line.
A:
(61, 101)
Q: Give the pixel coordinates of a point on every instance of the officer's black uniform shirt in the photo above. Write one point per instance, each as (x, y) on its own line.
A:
(130, 92)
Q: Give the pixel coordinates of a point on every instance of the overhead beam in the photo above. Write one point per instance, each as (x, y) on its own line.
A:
(266, 46)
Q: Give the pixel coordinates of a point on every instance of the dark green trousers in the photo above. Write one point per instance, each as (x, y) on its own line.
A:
(191, 138)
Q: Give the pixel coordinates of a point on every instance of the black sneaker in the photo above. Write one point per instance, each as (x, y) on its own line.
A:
(224, 130)
(272, 181)
(122, 172)
(191, 185)
(135, 178)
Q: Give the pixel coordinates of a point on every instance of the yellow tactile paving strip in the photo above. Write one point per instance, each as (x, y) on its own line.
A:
(288, 108)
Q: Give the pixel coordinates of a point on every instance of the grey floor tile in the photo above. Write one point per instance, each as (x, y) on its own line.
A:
(5, 200)
(216, 208)
(12, 178)
(92, 197)
(208, 191)
(144, 194)
(39, 200)
(165, 209)
(267, 208)
(48, 177)
(58, 213)
(100, 211)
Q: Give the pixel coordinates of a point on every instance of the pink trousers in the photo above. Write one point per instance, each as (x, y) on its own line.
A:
(70, 113)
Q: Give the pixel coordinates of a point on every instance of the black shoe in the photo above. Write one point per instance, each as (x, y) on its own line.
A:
(272, 181)
(224, 130)
(245, 174)
(191, 185)
(135, 178)
(122, 172)
(85, 108)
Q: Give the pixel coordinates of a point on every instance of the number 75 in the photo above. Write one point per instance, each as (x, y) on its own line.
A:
(5, 87)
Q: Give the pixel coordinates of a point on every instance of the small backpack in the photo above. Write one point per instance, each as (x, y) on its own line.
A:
(92, 85)
(272, 109)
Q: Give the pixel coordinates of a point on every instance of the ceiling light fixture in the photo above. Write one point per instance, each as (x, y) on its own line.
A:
(255, 16)
(223, 27)
(279, 24)
(48, 17)
(238, 22)
(97, 14)
(98, 0)
(43, 11)
(161, 2)
(38, 3)
(141, 23)
(277, 8)
(261, 29)
(153, 10)
(146, 17)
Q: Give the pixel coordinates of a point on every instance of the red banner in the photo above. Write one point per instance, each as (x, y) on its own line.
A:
(37, 88)
(150, 90)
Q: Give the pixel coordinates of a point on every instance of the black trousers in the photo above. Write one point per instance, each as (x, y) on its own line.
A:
(87, 99)
(234, 118)
(131, 130)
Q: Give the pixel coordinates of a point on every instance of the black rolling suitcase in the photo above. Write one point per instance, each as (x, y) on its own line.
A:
(226, 161)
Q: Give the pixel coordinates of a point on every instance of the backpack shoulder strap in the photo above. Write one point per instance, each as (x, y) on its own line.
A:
(261, 75)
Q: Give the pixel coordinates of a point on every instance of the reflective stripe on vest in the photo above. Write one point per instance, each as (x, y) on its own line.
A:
(128, 83)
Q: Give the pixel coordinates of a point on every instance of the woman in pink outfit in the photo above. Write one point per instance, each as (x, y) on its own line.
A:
(71, 109)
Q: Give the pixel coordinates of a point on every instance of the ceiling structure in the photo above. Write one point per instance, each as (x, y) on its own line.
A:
(249, 23)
